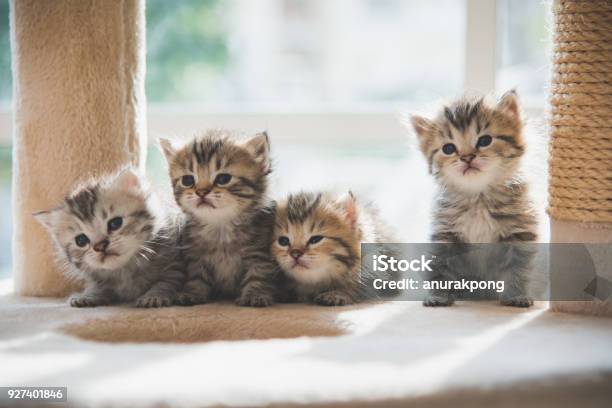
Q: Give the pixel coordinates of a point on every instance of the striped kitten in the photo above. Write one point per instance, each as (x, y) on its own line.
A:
(220, 182)
(473, 148)
(317, 243)
(113, 235)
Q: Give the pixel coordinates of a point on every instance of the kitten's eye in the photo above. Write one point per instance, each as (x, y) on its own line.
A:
(81, 240)
(188, 181)
(449, 149)
(115, 224)
(484, 141)
(314, 239)
(283, 241)
(222, 179)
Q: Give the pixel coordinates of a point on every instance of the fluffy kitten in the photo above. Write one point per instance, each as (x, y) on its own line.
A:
(114, 236)
(317, 243)
(220, 182)
(473, 148)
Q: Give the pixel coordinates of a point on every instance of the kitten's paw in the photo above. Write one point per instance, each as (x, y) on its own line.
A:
(333, 298)
(84, 301)
(438, 300)
(517, 301)
(154, 301)
(189, 299)
(255, 300)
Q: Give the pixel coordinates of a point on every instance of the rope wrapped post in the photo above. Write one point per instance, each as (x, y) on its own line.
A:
(580, 189)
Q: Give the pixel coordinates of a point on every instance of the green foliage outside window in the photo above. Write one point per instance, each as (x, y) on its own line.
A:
(186, 48)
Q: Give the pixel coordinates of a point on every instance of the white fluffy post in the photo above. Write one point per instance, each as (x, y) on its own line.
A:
(79, 111)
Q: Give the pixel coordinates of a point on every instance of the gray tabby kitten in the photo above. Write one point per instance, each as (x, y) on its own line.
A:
(317, 243)
(473, 148)
(220, 182)
(113, 235)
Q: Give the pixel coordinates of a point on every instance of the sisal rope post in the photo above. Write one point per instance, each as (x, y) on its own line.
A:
(580, 185)
(581, 117)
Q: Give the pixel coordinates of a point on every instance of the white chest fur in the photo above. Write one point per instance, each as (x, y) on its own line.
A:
(227, 269)
(215, 233)
(222, 251)
(475, 225)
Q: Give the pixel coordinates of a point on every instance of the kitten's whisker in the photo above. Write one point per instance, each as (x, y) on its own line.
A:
(149, 250)
(144, 257)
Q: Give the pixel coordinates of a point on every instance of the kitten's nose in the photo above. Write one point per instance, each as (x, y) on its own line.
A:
(101, 246)
(467, 158)
(202, 192)
(296, 253)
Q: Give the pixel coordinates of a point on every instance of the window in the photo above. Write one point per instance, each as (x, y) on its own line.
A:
(303, 54)
(327, 78)
(524, 44)
(5, 55)
(6, 224)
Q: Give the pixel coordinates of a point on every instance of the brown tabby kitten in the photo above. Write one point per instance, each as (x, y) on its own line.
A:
(473, 148)
(317, 243)
(115, 236)
(220, 182)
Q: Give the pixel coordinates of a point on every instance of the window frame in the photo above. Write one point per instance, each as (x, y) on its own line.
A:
(349, 126)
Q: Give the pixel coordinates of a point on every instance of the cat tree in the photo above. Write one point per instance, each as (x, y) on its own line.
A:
(580, 188)
(80, 110)
(79, 106)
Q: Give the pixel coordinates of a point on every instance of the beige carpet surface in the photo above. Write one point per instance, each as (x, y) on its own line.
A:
(223, 354)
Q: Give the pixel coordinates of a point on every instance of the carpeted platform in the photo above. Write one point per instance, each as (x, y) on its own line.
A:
(396, 352)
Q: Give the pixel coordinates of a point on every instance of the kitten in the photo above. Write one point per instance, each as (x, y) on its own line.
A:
(317, 243)
(220, 183)
(473, 149)
(113, 235)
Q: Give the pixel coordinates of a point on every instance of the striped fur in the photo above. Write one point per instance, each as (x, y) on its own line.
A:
(229, 224)
(483, 198)
(137, 262)
(328, 272)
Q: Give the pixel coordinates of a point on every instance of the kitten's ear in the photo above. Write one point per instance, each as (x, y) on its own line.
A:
(509, 103)
(128, 180)
(421, 125)
(167, 148)
(259, 147)
(347, 204)
(47, 218)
